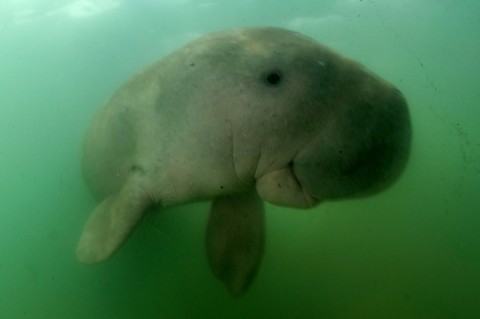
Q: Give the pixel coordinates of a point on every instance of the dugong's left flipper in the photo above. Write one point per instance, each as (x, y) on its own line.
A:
(111, 222)
(235, 239)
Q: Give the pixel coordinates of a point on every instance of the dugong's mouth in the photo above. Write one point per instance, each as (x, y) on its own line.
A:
(309, 198)
(283, 187)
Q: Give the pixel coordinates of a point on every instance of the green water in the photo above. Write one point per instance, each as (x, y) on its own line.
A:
(410, 252)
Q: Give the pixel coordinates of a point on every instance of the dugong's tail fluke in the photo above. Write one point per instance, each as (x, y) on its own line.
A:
(111, 222)
(235, 240)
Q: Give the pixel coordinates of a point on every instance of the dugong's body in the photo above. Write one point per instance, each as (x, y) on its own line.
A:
(240, 116)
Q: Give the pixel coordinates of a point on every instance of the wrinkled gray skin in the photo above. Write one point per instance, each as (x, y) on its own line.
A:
(239, 117)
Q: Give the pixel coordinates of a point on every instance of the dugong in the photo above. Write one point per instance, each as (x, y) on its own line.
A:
(240, 117)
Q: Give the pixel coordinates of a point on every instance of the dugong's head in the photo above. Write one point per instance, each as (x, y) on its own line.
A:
(309, 124)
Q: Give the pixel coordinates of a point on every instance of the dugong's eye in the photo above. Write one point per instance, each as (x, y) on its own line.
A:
(272, 78)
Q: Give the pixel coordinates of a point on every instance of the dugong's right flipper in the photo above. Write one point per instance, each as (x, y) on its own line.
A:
(112, 220)
(235, 239)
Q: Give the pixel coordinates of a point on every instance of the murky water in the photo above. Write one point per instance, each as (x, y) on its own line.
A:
(410, 252)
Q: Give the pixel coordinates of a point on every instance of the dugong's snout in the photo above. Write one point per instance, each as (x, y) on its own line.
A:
(362, 149)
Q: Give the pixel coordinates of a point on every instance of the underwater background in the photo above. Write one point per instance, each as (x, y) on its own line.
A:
(412, 251)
